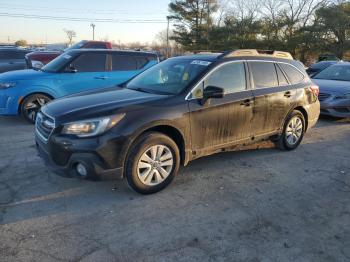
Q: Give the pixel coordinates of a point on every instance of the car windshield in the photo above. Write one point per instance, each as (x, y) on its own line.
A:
(168, 77)
(321, 65)
(55, 65)
(335, 72)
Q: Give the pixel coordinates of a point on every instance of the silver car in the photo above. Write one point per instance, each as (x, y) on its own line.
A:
(334, 83)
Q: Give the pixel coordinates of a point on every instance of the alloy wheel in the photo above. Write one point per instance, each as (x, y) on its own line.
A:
(155, 165)
(294, 130)
(32, 107)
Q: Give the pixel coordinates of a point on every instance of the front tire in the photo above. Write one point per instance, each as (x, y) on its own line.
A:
(31, 106)
(152, 164)
(293, 132)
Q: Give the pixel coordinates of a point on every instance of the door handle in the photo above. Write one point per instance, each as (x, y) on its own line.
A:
(288, 94)
(246, 102)
(101, 77)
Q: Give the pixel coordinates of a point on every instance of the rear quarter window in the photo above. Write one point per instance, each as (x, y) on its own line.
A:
(294, 75)
(141, 62)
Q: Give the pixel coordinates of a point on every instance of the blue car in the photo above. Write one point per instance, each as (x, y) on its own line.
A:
(25, 91)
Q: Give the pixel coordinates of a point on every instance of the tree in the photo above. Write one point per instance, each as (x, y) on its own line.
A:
(333, 22)
(21, 42)
(305, 28)
(193, 22)
(70, 35)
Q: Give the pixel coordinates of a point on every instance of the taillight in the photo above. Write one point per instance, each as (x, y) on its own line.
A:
(315, 89)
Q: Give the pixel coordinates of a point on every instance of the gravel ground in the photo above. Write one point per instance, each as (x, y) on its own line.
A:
(251, 205)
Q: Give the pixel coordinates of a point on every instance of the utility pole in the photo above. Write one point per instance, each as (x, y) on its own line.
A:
(167, 38)
(208, 18)
(93, 31)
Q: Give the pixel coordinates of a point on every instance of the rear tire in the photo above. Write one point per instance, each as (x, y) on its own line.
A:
(31, 105)
(293, 132)
(152, 163)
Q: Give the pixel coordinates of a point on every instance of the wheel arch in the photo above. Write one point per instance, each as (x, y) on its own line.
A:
(30, 94)
(172, 132)
(305, 114)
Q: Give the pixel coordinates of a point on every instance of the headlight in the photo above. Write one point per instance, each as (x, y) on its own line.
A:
(37, 64)
(7, 85)
(345, 96)
(91, 127)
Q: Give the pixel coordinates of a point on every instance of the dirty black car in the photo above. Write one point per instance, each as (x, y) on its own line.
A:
(179, 110)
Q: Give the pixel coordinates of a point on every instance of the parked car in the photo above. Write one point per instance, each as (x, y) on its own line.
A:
(318, 67)
(328, 57)
(179, 110)
(334, 83)
(40, 58)
(25, 91)
(12, 59)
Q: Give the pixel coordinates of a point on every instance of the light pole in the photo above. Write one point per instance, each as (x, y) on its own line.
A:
(93, 31)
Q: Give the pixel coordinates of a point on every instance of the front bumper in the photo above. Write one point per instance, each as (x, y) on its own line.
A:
(8, 103)
(336, 112)
(336, 108)
(63, 155)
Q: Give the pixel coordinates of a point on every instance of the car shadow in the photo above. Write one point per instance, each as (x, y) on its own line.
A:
(333, 120)
(45, 194)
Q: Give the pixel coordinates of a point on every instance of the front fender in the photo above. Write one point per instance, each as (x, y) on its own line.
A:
(34, 89)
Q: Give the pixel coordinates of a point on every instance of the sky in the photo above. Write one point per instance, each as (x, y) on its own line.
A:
(132, 20)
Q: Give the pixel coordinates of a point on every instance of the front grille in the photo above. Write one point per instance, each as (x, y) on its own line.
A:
(44, 126)
(323, 96)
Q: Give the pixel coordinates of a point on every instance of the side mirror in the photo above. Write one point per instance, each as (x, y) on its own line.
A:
(213, 92)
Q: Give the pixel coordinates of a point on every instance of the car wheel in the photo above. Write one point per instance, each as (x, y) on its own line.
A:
(31, 106)
(152, 163)
(293, 131)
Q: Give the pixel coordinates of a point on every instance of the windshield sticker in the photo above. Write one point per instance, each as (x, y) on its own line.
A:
(67, 56)
(200, 62)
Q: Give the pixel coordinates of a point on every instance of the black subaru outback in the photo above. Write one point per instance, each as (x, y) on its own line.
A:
(179, 110)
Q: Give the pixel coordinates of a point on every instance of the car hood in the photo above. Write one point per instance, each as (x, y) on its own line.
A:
(332, 86)
(27, 74)
(97, 103)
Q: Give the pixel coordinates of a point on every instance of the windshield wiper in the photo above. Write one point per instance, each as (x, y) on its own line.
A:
(149, 91)
(140, 90)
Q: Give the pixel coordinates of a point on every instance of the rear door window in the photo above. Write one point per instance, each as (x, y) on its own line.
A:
(90, 63)
(294, 75)
(123, 63)
(264, 74)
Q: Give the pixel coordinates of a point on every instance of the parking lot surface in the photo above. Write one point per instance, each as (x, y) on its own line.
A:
(250, 205)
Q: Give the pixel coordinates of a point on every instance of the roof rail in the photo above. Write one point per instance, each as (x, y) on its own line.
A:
(264, 53)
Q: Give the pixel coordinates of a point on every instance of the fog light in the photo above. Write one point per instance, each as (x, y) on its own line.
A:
(81, 169)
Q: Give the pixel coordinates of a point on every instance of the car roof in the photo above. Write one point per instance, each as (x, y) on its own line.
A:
(2, 49)
(206, 56)
(244, 54)
(341, 64)
(126, 52)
